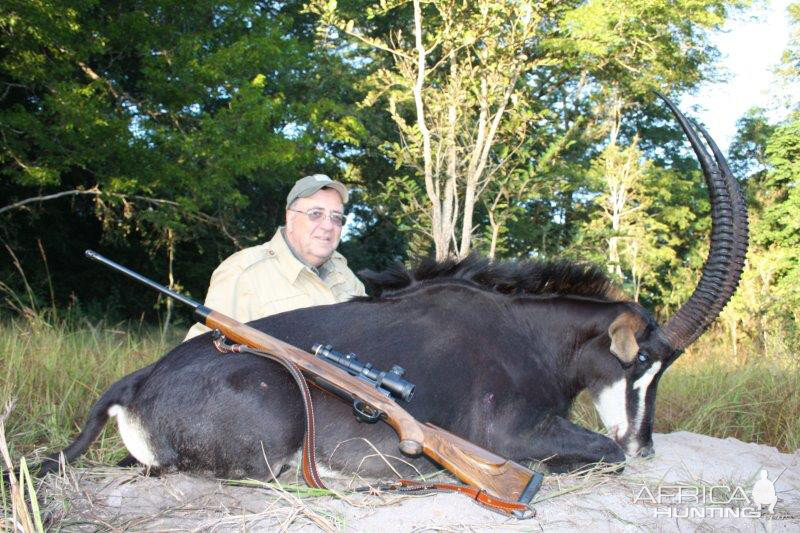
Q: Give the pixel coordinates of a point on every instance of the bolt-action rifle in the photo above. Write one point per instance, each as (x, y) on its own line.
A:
(475, 466)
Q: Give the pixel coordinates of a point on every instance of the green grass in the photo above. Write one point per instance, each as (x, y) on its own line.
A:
(57, 368)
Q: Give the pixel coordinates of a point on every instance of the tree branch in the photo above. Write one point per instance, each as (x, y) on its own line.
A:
(121, 96)
(95, 191)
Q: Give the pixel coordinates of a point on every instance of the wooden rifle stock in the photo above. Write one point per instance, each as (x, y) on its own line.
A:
(475, 466)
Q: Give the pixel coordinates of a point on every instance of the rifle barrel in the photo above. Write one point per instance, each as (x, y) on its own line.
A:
(141, 279)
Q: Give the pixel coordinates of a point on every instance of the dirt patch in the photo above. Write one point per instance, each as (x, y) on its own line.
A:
(665, 493)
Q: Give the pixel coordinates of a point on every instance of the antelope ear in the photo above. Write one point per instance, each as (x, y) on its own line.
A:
(623, 336)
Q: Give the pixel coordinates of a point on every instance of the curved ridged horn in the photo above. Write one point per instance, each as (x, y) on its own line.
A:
(725, 261)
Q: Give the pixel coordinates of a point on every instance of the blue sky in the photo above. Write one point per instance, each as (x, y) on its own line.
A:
(751, 45)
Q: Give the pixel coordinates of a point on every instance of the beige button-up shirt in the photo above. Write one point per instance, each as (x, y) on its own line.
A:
(268, 279)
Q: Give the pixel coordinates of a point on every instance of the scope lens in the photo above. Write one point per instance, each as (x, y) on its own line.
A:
(408, 393)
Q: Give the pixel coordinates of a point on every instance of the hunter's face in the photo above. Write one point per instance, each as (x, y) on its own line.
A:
(315, 240)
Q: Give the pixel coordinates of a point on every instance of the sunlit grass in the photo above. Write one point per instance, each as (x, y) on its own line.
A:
(56, 369)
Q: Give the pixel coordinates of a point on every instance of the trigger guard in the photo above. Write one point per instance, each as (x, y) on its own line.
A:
(362, 415)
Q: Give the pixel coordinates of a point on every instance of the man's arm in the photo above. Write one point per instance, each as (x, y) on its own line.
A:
(349, 285)
(358, 287)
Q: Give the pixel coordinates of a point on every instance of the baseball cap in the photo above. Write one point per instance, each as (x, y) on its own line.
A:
(310, 184)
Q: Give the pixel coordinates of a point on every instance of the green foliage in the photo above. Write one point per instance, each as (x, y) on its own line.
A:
(776, 230)
(767, 303)
(780, 225)
(561, 74)
(747, 151)
(180, 127)
(644, 44)
(171, 124)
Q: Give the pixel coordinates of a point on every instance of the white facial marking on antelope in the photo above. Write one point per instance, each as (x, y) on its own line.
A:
(133, 435)
(640, 387)
(611, 406)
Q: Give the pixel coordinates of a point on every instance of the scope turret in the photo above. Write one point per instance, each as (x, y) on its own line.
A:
(391, 381)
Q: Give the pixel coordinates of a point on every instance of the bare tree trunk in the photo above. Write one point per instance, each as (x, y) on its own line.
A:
(478, 162)
(450, 211)
(636, 275)
(461, 86)
(440, 238)
(616, 193)
(614, 264)
(466, 223)
(617, 200)
(171, 256)
(495, 225)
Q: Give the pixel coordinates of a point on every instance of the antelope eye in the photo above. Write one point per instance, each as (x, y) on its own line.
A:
(643, 357)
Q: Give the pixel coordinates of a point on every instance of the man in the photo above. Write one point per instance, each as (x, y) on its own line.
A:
(299, 267)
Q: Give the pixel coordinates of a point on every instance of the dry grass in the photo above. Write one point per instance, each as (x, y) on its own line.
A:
(93, 499)
(117, 499)
(103, 498)
(57, 368)
(19, 512)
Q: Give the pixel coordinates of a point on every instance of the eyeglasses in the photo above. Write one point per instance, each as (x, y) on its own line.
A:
(318, 215)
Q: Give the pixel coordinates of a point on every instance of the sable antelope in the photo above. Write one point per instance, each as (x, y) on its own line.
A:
(498, 353)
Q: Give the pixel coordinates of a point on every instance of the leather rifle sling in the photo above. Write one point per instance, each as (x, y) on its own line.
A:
(309, 464)
(480, 496)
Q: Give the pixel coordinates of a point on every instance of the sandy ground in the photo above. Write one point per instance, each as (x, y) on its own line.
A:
(685, 467)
